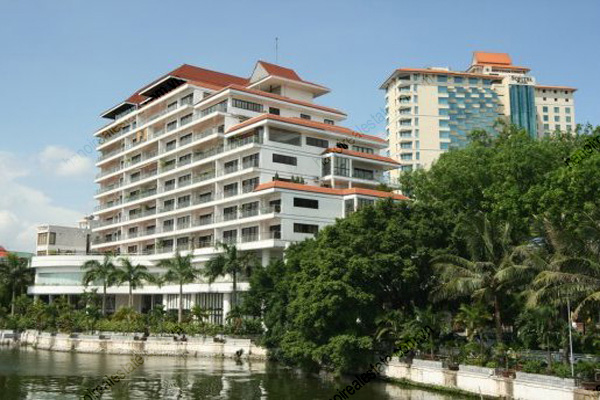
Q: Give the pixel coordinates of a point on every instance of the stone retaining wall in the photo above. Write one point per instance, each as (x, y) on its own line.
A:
(483, 381)
(162, 346)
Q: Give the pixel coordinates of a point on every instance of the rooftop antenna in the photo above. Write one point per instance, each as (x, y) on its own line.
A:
(276, 50)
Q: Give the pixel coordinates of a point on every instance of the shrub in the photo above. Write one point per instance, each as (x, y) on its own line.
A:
(534, 366)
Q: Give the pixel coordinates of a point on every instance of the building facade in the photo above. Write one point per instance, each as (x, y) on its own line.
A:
(199, 157)
(431, 110)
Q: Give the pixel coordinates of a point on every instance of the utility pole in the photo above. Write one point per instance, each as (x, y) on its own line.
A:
(276, 50)
(570, 337)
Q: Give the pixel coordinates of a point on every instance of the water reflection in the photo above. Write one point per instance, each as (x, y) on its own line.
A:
(38, 374)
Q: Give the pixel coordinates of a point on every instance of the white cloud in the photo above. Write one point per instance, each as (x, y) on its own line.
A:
(65, 162)
(23, 208)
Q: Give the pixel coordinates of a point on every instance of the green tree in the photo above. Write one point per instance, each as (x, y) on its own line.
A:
(490, 246)
(104, 271)
(474, 319)
(180, 271)
(16, 275)
(231, 262)
(133, 275)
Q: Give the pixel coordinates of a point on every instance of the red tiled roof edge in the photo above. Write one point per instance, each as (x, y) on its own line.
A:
(323, 190)
(361, 155)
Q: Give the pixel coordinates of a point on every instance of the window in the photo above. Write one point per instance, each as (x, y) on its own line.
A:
(187, 99)
(185, 139)
(444, 134)
(230, 190)
(250, 209)
(545, 118)
(183, 201)
(442, 89)
(443, 100)
(569, 127)
(52, 239)
(231, 166)
(568, 110)
(306, 203)
(362, 149)
(275, 231)
(473, 80)
(444, 146)
(185, 180)
(183, 222)
(274, 111)
(546, 127)
(230, 237)
(306, 228)
(557, 127)
(42, 238)
(406, 157)
(186, 119)
(168, 205)
(285, 137)
(171, 125)
(168, 225)
(281, 159)
(247, 105)
(205, 197)
(248, 185)
(311, 141)
(171, 106)
(556, 109)
(205, 219)
(328, 121)
(556, 118)
(305, 116)
(458, 79)
(568, 119)
(230, 213)
(250, 234)
(349, 206)
(406, 145)
(183, 160)
(442, 78)
(171, 145)
(545, 109)
(364, 203)
(250, 161)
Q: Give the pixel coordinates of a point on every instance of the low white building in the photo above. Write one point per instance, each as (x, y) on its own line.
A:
(200, 157)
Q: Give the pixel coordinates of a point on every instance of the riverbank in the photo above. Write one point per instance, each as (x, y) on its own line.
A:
(484, 382)
(118, 343)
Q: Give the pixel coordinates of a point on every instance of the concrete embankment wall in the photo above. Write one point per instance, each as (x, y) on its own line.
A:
(483, 381)
(125, 344)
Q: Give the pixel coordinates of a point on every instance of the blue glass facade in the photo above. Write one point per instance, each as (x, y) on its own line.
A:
(468, 108)
(522, 108)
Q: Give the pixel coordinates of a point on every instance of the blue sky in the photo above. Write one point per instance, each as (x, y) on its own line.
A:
(63, 63)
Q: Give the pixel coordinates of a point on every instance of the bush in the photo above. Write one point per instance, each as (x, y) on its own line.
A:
(534, 366)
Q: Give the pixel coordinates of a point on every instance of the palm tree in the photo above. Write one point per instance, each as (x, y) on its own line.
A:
(133, 275)
(181, 271)
(473, 318)
(15, 274)
(230, 262)
(104, 271)
(490, 246)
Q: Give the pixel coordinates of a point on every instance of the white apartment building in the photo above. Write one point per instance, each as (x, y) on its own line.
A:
(54, 239)
(431, 110)
(199, 157)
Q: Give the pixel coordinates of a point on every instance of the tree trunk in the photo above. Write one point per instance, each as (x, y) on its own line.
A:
(549, 353)
(234, 292)
(180, 314)
(497, 320)
(12, 304)
(130, 296)
(104, 300)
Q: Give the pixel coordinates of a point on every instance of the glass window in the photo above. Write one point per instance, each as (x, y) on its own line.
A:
(473, 80)
(442, 78)
(444, 146)
(328, 121)
(42, 238)
(547, 127)
(556, 109)
(52, 238)
(444, 134)
(443, 100)
(273, 110)
(306, 228)
(311, 141)
(568, 110)
(306, 203)
(444, 111)
(442, 89)
(281, 159)
(545, 109)
(285, 137)
(187, 99)
(545, 118)
(247, 105)
(458, 79)
(305, 116)
(556, 118)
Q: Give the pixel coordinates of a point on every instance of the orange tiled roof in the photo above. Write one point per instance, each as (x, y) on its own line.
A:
(332, 191)
(283, 98)
(361, 155)
(555, 87)
(506, 67)
(283, 72)
(492, 58)
(307, 123)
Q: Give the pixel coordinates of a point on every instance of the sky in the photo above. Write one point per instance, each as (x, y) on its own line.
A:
(63, 63)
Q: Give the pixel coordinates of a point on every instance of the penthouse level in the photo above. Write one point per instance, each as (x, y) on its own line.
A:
(199, 157)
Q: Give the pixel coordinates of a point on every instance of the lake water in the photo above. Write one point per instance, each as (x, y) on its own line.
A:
(38, 375)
